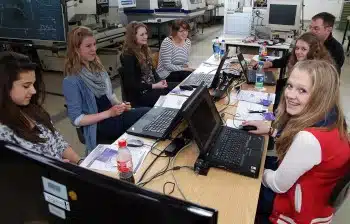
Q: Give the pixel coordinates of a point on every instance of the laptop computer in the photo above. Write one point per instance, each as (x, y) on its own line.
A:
(157, 123)
(210, 80)
(250, 75)
(220, 146)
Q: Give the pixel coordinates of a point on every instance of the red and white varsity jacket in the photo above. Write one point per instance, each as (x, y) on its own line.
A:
(306, 202)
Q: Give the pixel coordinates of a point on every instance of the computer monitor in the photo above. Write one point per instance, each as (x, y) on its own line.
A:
(38, 189)
(284, 15)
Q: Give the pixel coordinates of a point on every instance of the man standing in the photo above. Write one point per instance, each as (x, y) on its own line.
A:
(322, 26)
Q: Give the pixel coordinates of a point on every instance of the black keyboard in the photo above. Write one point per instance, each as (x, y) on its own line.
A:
(162, 121)
(197, 78)
(231, 147)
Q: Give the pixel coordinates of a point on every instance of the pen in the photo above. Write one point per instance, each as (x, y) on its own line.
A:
(257, 111)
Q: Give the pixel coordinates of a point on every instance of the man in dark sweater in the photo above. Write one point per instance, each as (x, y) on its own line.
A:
(322, 26)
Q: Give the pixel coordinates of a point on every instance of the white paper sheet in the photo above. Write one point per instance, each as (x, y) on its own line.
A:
(242, 113)
(171, 101)
(180, 92)
(103, 157)
(253, 96)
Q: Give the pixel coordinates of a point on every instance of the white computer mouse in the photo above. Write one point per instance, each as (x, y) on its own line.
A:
(135, 142)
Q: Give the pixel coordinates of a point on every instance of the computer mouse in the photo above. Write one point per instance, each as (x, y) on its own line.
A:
(184, 87)
(248, 128)
(135, 142)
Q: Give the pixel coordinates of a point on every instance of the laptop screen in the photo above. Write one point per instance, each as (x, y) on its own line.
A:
(204, 120)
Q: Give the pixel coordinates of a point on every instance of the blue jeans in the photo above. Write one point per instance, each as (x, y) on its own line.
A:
(266, 196)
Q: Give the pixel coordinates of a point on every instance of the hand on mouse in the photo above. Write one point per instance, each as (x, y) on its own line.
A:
(262, 127)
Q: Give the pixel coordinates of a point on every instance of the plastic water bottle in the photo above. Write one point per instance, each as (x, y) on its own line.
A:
(216, 48)
(260, 75)
(222, 48)
(124, 162)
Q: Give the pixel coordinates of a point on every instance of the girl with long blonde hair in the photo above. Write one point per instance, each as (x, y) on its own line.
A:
(311, 143)
(89, 96)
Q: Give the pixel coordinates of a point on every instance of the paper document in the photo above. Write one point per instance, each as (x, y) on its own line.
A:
(229, 123)
(213, 61)
(171, 101)
(103, 157)
(253, 96)
(180, 92)
(242, 113)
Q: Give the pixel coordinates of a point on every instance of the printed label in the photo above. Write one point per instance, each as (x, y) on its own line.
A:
(57, 201)
(55, 188)
(124, 166)
(57, 211)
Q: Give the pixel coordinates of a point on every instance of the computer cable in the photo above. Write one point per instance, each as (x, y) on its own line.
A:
(172, 189)
(173, 174)
(154, 160)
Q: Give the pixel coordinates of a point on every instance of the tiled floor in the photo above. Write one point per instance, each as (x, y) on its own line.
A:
(201, 50)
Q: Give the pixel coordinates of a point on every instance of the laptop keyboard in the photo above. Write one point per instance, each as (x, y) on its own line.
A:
(162, 122)
(231, 147)
(197, 78)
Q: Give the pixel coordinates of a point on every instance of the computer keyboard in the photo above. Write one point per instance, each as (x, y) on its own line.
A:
(197, 78)
(162, 121)
(231, 147)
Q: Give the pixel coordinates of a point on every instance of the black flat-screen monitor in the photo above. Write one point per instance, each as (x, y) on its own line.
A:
(38, 189)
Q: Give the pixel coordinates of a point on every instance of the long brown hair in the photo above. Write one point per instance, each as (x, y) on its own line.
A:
(74, 61)
(325, 97)
(317, 50)
(130, 46)
(12, 115)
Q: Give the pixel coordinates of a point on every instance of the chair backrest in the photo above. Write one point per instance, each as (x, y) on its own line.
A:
(121, 75)
(155, 58)
(340, 192)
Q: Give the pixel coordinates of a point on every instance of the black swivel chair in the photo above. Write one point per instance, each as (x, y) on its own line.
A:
(340, 192)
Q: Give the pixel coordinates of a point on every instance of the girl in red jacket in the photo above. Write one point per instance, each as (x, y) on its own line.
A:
(312, 146)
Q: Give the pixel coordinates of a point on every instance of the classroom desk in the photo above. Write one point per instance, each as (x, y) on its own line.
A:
(233, 195)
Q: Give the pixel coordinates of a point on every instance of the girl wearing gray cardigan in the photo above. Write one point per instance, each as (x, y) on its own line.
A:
(88, 93)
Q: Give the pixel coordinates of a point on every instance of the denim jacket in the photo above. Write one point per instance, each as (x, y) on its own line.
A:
(81, 101)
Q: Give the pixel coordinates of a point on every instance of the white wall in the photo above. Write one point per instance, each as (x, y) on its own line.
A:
(312, 7)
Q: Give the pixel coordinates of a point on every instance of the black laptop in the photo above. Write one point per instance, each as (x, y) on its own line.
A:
(250, 74)
(210, 80)
(221, 146)
(157, 123)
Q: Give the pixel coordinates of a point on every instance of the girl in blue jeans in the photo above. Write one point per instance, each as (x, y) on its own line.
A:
(89, 96)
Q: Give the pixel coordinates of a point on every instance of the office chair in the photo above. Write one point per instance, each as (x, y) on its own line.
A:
(121, 74)
(340, 192)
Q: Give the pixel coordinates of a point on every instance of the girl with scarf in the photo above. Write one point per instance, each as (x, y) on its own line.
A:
(312, 147)
(89, 95)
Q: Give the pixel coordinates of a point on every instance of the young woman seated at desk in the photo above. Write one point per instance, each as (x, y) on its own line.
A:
(312, 147)
(307, 47)
(141, 84)
(174, 53)
(23, 121)
(89, 95)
